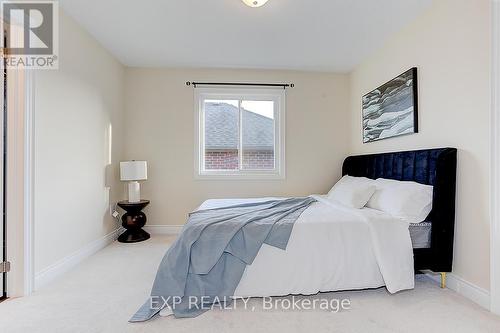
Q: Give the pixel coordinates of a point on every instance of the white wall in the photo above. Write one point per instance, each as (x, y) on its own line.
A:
(160, 129)
(75, 107)
(450, 45)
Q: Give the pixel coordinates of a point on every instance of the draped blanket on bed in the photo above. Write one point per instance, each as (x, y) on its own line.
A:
(206, 262)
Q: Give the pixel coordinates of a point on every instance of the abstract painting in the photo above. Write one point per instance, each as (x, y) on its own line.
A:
(391, 109)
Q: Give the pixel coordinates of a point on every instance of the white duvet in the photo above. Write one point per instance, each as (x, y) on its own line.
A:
(331, 248)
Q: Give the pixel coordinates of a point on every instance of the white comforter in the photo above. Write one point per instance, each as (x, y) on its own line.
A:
(331, 248)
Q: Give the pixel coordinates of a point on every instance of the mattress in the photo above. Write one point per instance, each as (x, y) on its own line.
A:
(420, 234)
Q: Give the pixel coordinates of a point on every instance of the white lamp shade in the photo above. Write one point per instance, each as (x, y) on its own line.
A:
(133, 170)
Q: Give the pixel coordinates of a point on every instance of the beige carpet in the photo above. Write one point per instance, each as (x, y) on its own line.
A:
(102, 293)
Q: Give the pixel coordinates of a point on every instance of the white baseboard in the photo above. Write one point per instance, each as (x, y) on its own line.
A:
(67, 263)
(164, 229)
(468, 290)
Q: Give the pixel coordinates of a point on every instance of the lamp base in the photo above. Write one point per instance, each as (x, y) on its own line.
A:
(134, 191)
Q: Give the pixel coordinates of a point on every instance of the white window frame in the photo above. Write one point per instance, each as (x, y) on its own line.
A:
(276, 95)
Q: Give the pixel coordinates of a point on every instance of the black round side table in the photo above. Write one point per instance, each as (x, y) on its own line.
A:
(133, 220)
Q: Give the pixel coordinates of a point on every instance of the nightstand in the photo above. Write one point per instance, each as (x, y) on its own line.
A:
(133, 220)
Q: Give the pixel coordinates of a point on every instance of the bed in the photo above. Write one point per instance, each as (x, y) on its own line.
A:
(224, 247)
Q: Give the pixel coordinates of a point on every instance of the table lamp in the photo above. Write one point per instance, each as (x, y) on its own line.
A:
(132, 172)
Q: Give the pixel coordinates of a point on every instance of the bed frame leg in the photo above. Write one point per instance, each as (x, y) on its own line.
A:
(443, 280)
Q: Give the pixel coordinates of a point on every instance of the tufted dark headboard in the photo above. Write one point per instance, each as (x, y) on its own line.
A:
(436, 167)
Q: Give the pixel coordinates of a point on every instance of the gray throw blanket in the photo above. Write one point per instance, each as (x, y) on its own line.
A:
(206, 262)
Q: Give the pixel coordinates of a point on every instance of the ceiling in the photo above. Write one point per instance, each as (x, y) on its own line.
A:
(319, 35)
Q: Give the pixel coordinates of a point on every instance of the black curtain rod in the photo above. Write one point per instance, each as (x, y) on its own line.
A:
(284, 85)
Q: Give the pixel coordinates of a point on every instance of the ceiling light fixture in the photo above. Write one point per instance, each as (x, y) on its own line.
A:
(254, 3)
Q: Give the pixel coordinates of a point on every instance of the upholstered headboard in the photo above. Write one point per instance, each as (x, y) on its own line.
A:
(436, 167)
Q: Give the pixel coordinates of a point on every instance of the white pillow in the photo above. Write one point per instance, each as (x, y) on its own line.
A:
(406, 200)
(352, 191)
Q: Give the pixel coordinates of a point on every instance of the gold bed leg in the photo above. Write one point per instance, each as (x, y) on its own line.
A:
(443, 280)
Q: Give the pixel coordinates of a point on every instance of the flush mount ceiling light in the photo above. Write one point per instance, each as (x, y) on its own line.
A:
(255, 3)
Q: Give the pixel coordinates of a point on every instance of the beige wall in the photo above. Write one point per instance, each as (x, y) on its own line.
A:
(75, 107)
(160, 129)
(450, 45)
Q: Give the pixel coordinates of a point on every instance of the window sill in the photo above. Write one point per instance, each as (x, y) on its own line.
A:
(239, 176)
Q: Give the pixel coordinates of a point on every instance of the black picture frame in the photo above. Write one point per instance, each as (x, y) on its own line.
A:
(403, 91)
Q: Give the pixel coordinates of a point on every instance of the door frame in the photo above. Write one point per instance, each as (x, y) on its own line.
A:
(20, 180)
(3, 109)
(19, 194)
(495, 160)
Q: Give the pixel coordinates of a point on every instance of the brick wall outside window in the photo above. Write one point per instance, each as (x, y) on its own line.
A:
(258, 160)
(228, 160)
(221, 160)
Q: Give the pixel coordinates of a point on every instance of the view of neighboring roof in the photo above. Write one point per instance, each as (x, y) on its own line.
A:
(221, 128)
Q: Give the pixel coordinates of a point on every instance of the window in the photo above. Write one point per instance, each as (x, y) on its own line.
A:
(240, 133)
